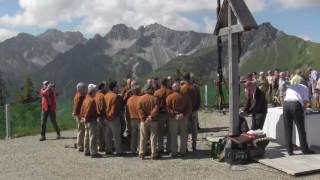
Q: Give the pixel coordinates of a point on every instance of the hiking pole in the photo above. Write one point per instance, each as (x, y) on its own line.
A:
(8, 131)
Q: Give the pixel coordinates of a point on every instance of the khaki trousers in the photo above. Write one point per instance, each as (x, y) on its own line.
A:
(135, 134)
(148, 131)
(90, 137)
(113, 134)
(163, 125)
(193, 128)
(80, 133)
(176, 126)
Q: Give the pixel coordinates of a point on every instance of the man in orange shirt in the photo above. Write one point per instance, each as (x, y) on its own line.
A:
(189, 91)
(112, 123)
(132, 105)
(89, 116)
(99, 99)
(179, 108)
(77, 103)
(163, 117)
(148, 111)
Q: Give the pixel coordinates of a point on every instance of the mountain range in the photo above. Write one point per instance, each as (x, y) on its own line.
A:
(154, 50)
(26, 54)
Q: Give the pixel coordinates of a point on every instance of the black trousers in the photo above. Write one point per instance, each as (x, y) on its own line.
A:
(258, 120)
(293, 112)
(44, 118)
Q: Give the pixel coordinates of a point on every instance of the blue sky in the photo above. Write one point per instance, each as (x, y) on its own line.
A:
(90, 17)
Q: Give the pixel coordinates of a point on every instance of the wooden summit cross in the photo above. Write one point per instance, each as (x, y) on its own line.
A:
(233, 18)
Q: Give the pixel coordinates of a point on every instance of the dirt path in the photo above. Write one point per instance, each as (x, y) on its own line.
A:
(27, 158)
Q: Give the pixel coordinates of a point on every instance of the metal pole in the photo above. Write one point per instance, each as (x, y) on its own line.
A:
(206, 97)
(8, 132)
(219, 70)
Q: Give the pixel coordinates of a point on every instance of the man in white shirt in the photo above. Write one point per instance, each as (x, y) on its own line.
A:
(297, 96)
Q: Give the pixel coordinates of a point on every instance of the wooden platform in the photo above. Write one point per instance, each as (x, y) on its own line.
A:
(299, 164)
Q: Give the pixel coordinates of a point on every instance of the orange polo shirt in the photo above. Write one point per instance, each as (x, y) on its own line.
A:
(132, 105)
(148, 106)
(89, 110)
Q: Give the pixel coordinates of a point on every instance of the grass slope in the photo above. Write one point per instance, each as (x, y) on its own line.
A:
(287, 53)
(26, 118)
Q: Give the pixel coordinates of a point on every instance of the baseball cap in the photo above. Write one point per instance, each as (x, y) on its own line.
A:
(91, 87)
(45, 82)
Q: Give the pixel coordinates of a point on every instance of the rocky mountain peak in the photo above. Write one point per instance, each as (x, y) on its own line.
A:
(267, 27)
(62, 41)
(121, 32)
(21, 41)
(23, 37)
(156, 27)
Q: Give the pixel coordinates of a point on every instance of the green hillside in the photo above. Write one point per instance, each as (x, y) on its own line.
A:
(287, 53)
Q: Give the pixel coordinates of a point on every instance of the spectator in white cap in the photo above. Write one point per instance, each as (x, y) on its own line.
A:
(89, 117)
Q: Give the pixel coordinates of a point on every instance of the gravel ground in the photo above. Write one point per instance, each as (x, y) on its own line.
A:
(27, 158)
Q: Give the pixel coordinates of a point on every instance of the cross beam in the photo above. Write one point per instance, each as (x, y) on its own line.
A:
(233, 59)
(234, 18)
(230, 29)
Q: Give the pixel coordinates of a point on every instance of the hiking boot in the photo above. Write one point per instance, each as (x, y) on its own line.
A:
(81, 150)
(120, 154)
(183, 155)
(174, 155)
(96, 156)
(308, 151)
(42, 138)
(156, 157)
(141, 156)
(109, 153)
(101, 149)
(132, 153)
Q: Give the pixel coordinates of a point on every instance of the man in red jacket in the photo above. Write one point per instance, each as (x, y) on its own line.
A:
(48, 95)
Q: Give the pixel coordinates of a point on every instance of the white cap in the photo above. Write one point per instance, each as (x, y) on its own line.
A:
(45, 82)
(91, 87)
(80, 85)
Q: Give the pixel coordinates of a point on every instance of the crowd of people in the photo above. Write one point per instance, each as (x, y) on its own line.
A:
(275, 83)
(155, 114)
(163, 109)
(294, 92)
